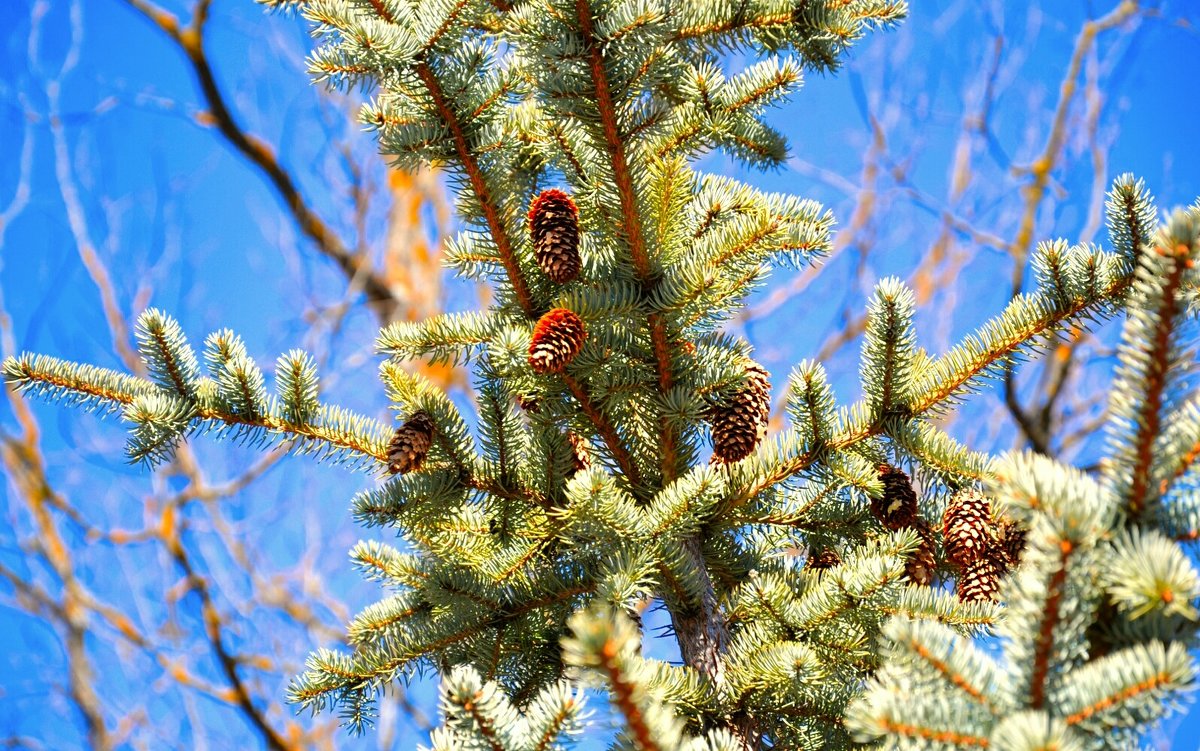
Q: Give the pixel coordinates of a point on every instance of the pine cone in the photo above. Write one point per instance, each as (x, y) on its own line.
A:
(827, 558)
(528, 403)
(897, 507)
(739, 425)
(581, 451)
(922, 562)
(757, 391)
(1010, 539)
(557, 339)
(554, 227)
(980, 580)
(410, 444)
(967, 529)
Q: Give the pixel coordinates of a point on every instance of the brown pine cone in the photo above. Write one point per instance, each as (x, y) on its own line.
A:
(756, 393)
(528, 403)
(826, 559)
(410, 444)
(1010, 539)
(980, 580)
(735, 433)
(557, 339)
(922, 562)
(739, 425)
(554, 228)
(967, 530)
(897, 507)
(581, 451)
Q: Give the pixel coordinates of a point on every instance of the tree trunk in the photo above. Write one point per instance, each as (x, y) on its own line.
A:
(703, 636)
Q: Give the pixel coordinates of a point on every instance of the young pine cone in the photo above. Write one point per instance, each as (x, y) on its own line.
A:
(410, 444)
(980, 580)
(827, 558)
(922, 562)
(897, 507)
(739, 424)
(557, 339)
(967, 530)
(554, 228)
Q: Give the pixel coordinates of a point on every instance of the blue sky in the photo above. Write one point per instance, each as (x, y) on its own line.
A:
(186, 226)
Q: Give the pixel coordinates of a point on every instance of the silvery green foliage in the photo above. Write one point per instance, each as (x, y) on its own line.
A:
(1101, 616)
(176, 401)
(541, 526)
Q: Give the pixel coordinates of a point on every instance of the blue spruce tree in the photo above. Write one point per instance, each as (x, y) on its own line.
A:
(618, 456)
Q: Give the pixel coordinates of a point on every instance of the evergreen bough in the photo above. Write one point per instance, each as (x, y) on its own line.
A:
(526, 563)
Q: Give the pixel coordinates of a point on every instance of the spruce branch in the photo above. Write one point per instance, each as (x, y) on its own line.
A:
(888, 348)
(631, 222)
(1150, 348)
(1036, 731)
(165, 350)
(811, 404)
(604, 645)
(1126, 690)
(86, 385)
(1152, 575)
(1177, 449)
(1131, 216)
(952, 462)
(1024, 321)
(479, 710)
(483, 193)
(609, 433)
(353, 681)
(162, 415)
(924, 604)
(449, 337)
(615, 144)
(951, 659)
(297, 385)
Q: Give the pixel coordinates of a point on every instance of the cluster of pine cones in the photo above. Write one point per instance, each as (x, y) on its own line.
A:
(897, 509)
(738, 424)
(554, 232)
(983, 549)
(557, 337)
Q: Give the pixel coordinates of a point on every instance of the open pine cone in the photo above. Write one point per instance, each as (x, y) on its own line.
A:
(410, 444)
(967, 530)
(557, 339)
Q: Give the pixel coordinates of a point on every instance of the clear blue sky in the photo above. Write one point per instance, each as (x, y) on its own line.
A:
(176, 212)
